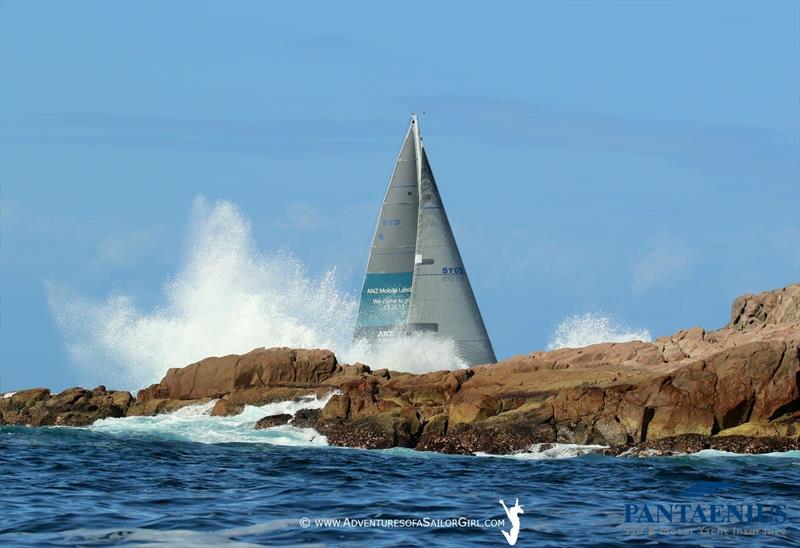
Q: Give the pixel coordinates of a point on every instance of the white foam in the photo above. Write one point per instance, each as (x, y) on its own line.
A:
(550, 451)
(418, 353)
(7, 395)
(706, 454)
(713, 453)
(194, 423)
(593, 328)
(227, 298)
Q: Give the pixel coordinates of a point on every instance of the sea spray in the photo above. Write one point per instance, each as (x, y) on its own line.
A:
(227, 298)
(592, 328)
(549, 451)
(418, 353)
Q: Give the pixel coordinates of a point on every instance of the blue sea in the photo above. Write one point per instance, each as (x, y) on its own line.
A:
(189, 479)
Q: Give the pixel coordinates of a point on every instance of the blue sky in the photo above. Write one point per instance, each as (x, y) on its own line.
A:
(642, 159)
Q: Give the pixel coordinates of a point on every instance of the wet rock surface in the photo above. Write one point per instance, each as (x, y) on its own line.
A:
(273, 420)
(692, 443)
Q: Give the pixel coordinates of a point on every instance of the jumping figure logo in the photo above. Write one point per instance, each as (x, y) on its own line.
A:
(513, 515)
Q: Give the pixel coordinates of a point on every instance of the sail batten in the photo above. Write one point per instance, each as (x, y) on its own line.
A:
(416, 279)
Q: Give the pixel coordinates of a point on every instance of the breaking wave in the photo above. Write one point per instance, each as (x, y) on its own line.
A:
(550, 451)
(227, 298)
(593, 328)
(194, 423)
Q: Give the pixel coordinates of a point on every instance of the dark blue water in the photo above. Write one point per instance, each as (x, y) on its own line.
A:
(65, 487)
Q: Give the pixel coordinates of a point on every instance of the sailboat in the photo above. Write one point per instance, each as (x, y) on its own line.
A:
(415, 279)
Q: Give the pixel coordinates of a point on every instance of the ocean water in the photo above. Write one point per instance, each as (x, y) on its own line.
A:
(189, 479)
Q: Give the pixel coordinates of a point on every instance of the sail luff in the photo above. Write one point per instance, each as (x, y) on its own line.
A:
(387, 283)
(417, 147)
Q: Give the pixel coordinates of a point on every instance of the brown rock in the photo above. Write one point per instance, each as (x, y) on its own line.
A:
(692, 443)
(398, 428)
(754, 381)
(257, 370)
(781, 306)
(272, 420)
(71, 407)
(306, 418)
(225, 408)
(670, 421)
(256, 378)
(436, 426)
(150, 408)
(781, 429)
(472, 407)
(337, 408)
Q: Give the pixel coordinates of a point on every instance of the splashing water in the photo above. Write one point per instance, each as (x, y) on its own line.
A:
(417, 353)
(195, 423)
(228, 298)
(550, 451)
(593, 328)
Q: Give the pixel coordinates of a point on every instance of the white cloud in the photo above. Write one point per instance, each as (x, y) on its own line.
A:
(9, 213)
(123, 249)
(667, 260)
(304, 217)
(552, 258)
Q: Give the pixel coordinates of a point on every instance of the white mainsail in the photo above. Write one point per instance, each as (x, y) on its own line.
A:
(419, 286)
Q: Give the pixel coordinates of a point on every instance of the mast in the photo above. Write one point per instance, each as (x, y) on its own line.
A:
(417, 145)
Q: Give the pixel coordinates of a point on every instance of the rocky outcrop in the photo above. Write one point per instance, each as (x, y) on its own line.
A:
(739, 382)
(781, 306)
(687, 444)
(258, 377)
(72, 407)
(264, 375)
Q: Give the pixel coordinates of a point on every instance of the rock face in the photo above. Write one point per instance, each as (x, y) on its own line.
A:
(781, 306)
(737, 383)
(258, 377)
